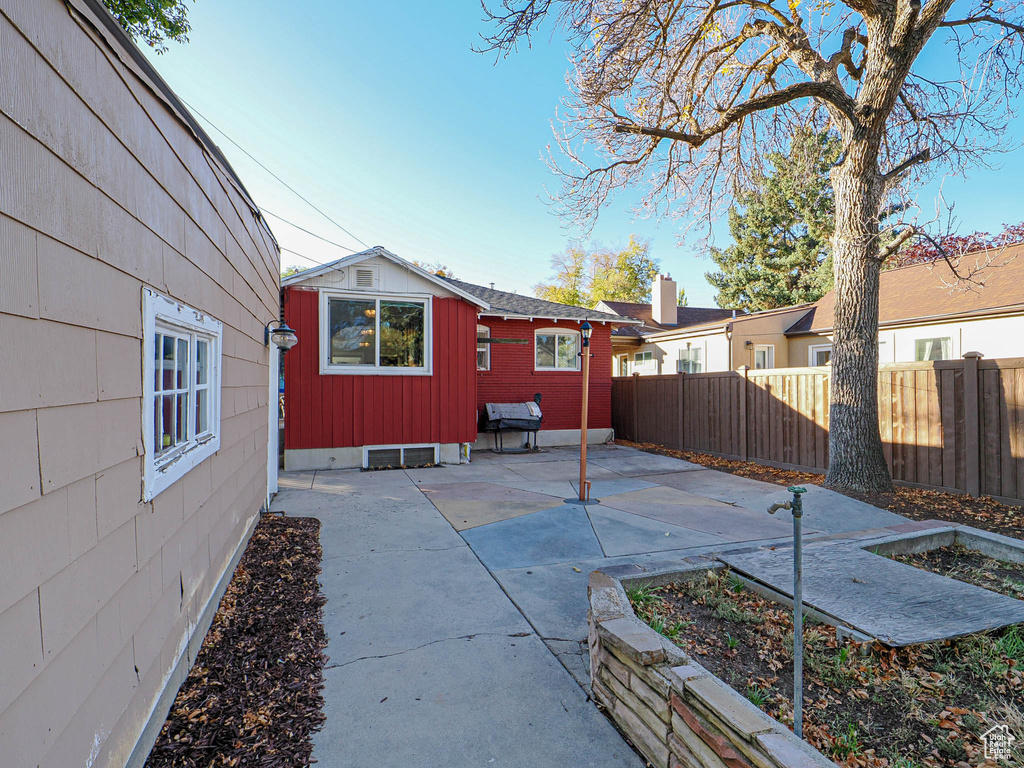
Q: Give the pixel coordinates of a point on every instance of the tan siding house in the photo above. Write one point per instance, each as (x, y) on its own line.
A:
(127, 244)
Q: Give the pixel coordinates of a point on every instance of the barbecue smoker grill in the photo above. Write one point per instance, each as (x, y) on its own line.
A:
(513, 417)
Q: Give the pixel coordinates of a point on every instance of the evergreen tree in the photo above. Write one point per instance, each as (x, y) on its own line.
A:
(781, 230)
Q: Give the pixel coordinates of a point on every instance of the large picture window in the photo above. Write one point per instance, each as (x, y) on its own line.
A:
(556, 350)
(375, 335)
(181, 397)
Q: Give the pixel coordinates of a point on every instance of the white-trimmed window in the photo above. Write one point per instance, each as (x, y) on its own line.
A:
(764, 356)
(363, 334)
(819, 354)
(644, 361)
(932, 349)
(181, 390)
(691, 360)
(556, 350)
(483, 349)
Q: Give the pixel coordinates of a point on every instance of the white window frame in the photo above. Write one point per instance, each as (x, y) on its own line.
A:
(650, 364)
(160, 313)
(327, 369)
(622, 364)
(556, 332)
(770, 358)
(486, 347)
(813, 350)
(939, 339)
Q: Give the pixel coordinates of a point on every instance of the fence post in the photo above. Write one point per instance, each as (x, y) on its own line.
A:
(972, 423)
(680, 427)
(743, 414)
(636, 407)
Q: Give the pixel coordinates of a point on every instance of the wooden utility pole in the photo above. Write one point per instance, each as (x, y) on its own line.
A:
(585, 331)
(583, 423)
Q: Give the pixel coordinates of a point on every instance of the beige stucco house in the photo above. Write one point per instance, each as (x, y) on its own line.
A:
(925, 313)
(136, 279)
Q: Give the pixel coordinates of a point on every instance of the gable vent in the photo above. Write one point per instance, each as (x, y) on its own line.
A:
(365, 278)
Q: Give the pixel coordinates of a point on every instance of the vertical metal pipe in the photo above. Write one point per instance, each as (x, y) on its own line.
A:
(584, 495)
(798, 618)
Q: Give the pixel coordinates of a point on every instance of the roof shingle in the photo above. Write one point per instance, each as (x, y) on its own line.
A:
(917, 292)
(528, 306)
(685, 316)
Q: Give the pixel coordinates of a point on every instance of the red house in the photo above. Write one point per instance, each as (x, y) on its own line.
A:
(394, 364)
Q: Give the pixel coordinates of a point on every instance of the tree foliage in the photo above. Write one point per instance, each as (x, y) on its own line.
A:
(292, 270)
(154, 22)
(781, 228)
(953, 247)
(436, 268)
(584, 277)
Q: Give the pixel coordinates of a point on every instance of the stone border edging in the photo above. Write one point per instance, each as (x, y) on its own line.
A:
(676, 713)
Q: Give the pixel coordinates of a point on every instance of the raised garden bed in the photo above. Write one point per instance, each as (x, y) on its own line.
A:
(924, 705)
(253, 696)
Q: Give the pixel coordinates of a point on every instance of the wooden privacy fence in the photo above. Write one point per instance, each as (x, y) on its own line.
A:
(952, 424)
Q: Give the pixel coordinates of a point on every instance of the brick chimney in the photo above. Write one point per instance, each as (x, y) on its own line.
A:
(664, 294)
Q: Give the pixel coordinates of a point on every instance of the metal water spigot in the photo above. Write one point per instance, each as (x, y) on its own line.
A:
(797, 505)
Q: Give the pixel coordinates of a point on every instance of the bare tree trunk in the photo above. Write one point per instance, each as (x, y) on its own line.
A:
(856, 461)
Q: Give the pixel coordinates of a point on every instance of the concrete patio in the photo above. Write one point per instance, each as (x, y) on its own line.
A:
(453, 592)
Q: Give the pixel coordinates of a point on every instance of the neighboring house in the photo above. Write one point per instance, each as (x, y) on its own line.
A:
(138, 277)
(921, 317)
(695, 339)
(392, 370)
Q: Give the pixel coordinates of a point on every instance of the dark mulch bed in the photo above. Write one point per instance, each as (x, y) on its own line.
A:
(925, 705)
(984, 512)
(253, 697)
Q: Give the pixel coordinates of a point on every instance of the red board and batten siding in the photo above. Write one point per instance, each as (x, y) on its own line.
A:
(338, 411)
(512, 378)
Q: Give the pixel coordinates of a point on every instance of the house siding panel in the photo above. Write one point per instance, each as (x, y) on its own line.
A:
(339, 411)
(107, 192)
(512, 378)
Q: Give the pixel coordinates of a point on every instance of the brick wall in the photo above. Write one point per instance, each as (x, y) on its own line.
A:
(512, 378)
(106, 190)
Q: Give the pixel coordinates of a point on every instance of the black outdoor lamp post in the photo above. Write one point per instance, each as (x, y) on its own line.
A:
(585, 330)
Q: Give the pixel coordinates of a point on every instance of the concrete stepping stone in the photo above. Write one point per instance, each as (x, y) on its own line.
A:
(894, 602)
(635, 463)
(552, 536)
(622, 533)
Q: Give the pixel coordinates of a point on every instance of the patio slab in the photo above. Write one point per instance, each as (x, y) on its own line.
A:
(465, 515)
(831, 512)
(611, 486)
(622, 533)
(637, 463)
(552, 536)
(716, 485)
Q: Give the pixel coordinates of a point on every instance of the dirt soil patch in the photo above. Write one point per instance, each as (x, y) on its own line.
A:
(983, 512)
(253, 697)
(969, 565)
(924, 705)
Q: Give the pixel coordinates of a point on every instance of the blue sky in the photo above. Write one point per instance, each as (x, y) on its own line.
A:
(381, 114)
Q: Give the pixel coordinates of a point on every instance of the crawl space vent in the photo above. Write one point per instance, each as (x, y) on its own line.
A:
(382, 458)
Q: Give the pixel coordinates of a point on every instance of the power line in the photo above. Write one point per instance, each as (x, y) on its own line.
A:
(308, 232)
(303, 256)
(282, 181)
